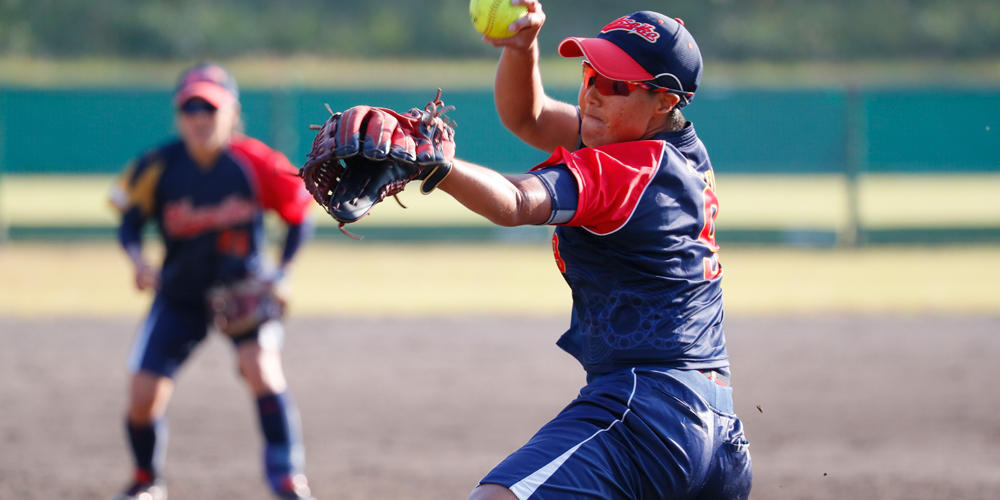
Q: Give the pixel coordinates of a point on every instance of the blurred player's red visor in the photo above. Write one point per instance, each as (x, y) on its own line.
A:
(215, 94)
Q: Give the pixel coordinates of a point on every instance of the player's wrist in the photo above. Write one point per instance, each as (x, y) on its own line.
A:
(521, 55)
(433, 176)
(281, 272)
(140, 265)
(134, 253)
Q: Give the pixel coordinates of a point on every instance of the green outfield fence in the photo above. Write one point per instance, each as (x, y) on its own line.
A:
(794, 132)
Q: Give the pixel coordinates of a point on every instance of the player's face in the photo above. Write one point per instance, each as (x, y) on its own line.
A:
(205, 128)
(614, 112)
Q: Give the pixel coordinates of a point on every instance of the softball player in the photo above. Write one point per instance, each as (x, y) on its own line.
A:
(207, 192)
(631, 190)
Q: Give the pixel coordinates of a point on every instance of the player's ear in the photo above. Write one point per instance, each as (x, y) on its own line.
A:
(666, 101)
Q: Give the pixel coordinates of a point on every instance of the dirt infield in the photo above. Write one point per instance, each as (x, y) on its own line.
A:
(865, 407)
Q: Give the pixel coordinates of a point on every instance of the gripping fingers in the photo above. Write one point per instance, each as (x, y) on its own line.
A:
(525, 28)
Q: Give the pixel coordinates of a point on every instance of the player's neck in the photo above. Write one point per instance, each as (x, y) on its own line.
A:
(204, 158)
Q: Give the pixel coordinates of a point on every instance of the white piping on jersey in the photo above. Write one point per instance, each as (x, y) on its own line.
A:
(141, 340)
(526, 487)
(659, 164)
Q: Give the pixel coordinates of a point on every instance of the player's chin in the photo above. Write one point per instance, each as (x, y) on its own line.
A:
(593, 133)
(209, 141)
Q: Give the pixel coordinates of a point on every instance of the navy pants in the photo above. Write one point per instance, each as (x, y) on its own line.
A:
(640, 433)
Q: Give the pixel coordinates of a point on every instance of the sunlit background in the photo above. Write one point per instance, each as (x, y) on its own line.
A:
(857, 154)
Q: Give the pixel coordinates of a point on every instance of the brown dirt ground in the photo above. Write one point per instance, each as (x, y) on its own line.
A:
(866, 407)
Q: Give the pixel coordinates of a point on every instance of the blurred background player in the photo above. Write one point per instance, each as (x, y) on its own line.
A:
(207, 192)
(632, 192)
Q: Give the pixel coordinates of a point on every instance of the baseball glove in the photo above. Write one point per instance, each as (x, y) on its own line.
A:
(364, 154)
(242, 306)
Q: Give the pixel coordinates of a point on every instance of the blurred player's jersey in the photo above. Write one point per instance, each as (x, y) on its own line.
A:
(210, 218)
(640, 254)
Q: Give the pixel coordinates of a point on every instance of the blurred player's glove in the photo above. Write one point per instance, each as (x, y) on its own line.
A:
(365, 154)
(242, 306)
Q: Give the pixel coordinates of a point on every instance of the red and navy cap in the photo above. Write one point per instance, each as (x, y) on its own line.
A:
(643, 47)
(208, 81)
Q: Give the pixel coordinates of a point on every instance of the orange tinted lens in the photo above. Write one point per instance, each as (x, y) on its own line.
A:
(620, 88)
(589, 75)
(605, 86)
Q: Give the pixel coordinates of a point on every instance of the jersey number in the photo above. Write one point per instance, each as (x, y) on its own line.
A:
(233, 242)
(713, 269)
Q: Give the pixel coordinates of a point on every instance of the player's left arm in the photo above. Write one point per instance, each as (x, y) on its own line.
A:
(597, 188)
(506, 200)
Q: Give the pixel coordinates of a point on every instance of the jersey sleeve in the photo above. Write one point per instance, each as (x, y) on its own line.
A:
(135, 188)
(278, 185)
(563, 192)
(610, 181)
(134, 196)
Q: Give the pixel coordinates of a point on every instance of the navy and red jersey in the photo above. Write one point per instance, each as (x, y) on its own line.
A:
(210, 218)
(636, 244)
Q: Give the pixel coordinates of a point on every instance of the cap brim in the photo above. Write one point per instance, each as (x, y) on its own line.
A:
(606, 57)
(216, 95)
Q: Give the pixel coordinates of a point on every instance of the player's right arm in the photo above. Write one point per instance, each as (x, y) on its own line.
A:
(523, 106)
(133, 197)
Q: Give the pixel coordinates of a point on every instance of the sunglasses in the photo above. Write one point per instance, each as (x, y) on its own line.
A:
(608, 87)
(195, 106)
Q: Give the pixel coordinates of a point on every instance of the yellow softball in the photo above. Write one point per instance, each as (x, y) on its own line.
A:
(492, 17)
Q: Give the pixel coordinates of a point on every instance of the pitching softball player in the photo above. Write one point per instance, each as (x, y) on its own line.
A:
(631, 191)
(207, 192)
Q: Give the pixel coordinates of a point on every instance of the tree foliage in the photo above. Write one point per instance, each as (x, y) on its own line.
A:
(735, 30)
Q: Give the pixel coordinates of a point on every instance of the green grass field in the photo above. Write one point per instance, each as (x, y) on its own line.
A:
(341, 276)
(764, 201)
(93, 279)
